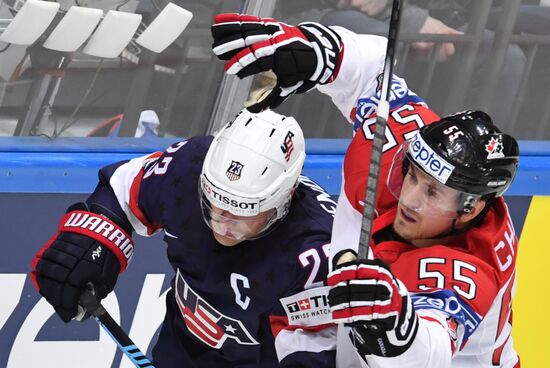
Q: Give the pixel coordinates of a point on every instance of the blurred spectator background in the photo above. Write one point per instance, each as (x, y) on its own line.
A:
(457, 54)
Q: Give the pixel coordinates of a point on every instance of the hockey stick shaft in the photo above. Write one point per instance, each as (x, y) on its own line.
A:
(94, 307)
(380, 133)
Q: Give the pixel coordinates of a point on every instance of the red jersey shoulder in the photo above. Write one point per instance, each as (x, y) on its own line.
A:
(402, 123)
(495, 241)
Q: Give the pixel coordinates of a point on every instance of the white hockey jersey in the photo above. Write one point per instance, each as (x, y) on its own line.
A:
(462, 293)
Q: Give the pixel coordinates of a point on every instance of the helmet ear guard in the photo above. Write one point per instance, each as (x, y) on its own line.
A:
(466, 204)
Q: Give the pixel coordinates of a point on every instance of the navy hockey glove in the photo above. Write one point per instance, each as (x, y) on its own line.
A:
(301, 57)
(366, 295)
(88, 248)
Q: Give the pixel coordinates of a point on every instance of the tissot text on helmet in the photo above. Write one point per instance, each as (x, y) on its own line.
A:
(232, 202)
(219, 198)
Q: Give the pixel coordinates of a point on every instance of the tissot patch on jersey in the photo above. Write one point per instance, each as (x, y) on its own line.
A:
(308, 308)
(288, 145)
(494, 148)
(205, 322)
(234, 170)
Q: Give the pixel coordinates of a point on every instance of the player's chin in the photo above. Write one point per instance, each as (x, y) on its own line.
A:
(226, 241)
(404, 230)
(405, 227)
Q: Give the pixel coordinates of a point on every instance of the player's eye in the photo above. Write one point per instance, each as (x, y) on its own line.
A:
(432, 192)
(411, 176)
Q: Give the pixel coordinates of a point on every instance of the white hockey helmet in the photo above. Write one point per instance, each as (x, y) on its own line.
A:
(252, 166)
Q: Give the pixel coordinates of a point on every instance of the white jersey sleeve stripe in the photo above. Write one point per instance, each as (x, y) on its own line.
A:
(121, 181)
(291, 341)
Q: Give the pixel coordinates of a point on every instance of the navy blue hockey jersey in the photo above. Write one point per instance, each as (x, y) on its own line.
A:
(261, 303)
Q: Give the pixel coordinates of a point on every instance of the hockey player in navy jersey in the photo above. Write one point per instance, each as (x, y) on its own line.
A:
(439, 290)
(247, 238)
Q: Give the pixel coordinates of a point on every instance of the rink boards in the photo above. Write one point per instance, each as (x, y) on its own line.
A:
(40, 179)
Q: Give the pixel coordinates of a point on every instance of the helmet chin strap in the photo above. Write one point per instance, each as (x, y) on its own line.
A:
(466, 208)
(453, 230)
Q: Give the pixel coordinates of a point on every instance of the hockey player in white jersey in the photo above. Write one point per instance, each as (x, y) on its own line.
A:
(438, 292)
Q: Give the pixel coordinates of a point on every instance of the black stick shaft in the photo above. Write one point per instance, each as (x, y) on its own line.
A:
(379, 134)
(94, 307)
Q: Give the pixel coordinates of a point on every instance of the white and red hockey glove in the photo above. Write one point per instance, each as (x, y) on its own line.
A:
(87, 248)
(300, 56)
(367, 296)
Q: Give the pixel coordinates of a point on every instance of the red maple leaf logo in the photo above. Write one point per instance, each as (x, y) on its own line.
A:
(491, 145)
(494, 148)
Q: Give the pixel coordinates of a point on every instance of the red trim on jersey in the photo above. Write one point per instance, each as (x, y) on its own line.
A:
(279, 323)
(497, 354)
(504, 317)
(431, 319)
(133, 201)
(338, 64)
(352, 114)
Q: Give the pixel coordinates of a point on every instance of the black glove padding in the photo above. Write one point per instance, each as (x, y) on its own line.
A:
(392, 343)
(301, 57)
(70, 260)
(366, 295)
